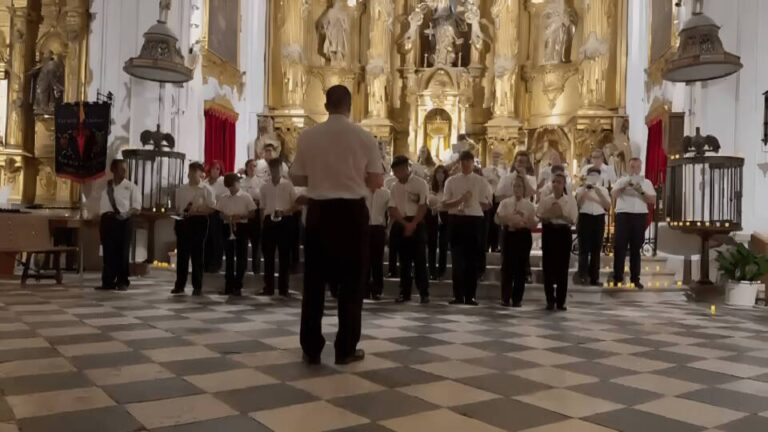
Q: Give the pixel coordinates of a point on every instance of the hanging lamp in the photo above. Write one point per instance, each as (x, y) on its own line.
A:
(160, 59)
(700, 55)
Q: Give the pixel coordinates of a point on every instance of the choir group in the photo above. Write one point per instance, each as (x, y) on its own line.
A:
(420, 212)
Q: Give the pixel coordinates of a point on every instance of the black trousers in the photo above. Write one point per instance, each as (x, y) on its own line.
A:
(214, 243)
(437, 243)
(191, 234)
(335, 250)
(465, 244)
(116, 245)
(514, 266)
(254, 237)
(236, 252)
(295, 235)
(393, 253)
(591, 230)
(377, 236)
(629, 232)
(556, 248)
(277, 236)
(483, 246)
(413, 258)
(494, 231)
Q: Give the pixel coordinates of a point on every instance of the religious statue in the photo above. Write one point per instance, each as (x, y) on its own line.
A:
(415, 19)
(266, 135)
(472, 18)
(49, 84)
(505, 69)
(293, 75)
(619, 152)
(376, 76)
(10, 173)
(559, 29)
(335, 26)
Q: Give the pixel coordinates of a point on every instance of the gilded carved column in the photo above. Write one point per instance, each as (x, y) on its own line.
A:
(75, 27)
(25, 21)
(503, 129)
(292, 52)
(594, 52)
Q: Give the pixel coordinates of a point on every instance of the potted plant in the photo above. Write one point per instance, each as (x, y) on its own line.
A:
(744, 269)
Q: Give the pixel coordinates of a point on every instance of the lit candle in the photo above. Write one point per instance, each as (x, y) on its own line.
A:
(679, 284)
(713, 310)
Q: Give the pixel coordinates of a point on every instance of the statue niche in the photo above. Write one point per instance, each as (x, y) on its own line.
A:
(437, 134)
(334, 26)
(559, 24)
(48, 84)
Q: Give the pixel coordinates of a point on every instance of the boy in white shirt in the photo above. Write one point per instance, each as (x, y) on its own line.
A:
(633, 194)
(194, 202)
(594, 201)
(236, 208)
(120, 201)
(251, 185)
(407, 208)
(558, 213)
(377, 201)
(278, 201)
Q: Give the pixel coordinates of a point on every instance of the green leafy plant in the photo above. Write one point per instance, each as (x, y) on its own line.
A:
(741, 264)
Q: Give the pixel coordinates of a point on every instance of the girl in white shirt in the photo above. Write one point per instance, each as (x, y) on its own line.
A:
(517, 216)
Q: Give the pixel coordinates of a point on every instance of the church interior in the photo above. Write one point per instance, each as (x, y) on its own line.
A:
(679, 86)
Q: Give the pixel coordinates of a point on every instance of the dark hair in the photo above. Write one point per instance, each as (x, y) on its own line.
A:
(270, 146)
(248, 161)
(557, 169)
(338, 98)
(466, 155)
(435, 183)
(275, 163)
(230, 180)
(196, 166)
(593, 170)
(527, 155)
(561, 176)
(115, 163)
(399, 160)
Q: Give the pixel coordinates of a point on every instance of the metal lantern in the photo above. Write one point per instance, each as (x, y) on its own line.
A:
(160, 58)
(701, 56)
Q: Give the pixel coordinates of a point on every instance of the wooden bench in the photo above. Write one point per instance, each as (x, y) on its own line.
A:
(30, 235)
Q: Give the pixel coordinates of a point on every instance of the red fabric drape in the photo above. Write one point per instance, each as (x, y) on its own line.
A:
(655, 157)
(220, 131)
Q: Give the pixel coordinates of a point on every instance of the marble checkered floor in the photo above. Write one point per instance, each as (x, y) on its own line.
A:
(76, 360)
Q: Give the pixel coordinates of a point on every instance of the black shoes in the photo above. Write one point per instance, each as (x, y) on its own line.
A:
(176, 291)
(402, 299)
(122, 288)
(456, 302)
(197, 293)
(376, 297)
(550, 306)
(638, 285)
(358, 355)
(313, 360)
(596, 283)
(471, 302)
(424, 300)
(517, 305)
(505, 304)
(562, 308)
(266, 293)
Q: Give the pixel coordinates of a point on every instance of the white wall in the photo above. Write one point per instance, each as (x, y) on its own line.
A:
(117, 30)
(730, 109)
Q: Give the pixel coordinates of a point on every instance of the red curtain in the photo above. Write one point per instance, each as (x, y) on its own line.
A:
(655, 157)
(220, 128)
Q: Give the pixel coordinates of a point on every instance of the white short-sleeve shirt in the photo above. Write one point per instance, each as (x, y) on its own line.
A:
(631, 201)
(505, 187)
(240, 204)
(218, 187)
(457, 185)
(378, 204)
(567, 204)
(591, 205)
(277, 197)
(336, 157)
(127, 197)
(252, 186)
(197, 196)
(511, 206)
(408, 196)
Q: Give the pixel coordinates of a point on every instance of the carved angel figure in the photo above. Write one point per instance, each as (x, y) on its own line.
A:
(415, 19)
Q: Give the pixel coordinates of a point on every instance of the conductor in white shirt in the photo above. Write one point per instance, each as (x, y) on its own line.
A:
(633, 193)
(338, 162)
(120, 201)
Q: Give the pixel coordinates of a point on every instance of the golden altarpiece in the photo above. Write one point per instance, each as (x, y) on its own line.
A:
(546, 75)
(43, 61)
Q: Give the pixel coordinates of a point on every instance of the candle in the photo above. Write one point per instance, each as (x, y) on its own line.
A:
(426, 56)
(713, 310)
(459, 59)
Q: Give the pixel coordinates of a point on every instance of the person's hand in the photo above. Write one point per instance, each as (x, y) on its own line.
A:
(408, 229)
(555, 211)
(515, 221)
(638, 188)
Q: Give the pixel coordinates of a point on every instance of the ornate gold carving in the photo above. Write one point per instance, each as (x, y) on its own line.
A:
(215, 65)
(663, 40)
(553, 78)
